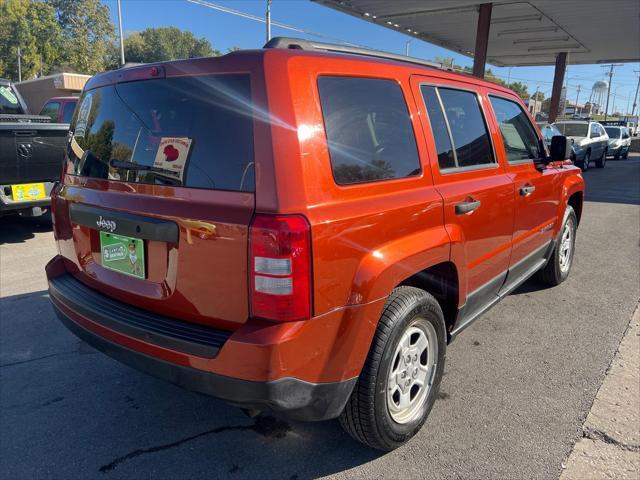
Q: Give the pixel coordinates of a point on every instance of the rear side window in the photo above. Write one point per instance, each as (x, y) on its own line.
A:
(67, 111)
(189, 131)
(51, 110)
(439, 128)
(468, 129)
(520, 139)
(458, 127)
(369, 132)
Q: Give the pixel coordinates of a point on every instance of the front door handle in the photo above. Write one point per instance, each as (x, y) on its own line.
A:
(527, 190)
(467, 206)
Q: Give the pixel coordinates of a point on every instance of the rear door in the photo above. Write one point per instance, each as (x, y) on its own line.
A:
(537, 188)
(159, 194)
(478, 194)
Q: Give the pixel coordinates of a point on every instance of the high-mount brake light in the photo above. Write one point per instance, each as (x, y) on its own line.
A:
(280, 266)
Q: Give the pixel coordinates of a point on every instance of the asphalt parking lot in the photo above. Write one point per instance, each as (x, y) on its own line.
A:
(517, 388)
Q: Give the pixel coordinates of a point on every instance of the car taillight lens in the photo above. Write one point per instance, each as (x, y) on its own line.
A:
(280, 266)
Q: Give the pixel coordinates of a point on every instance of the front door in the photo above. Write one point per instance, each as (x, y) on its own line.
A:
(537, 188)
(478, 194)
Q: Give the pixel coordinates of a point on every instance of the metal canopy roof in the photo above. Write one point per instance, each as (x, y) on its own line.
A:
(522, 32)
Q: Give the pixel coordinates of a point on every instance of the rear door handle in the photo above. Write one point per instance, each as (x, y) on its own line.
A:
(527, 190)
(467, 206)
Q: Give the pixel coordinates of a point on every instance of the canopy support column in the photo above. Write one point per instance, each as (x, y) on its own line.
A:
(558, 78)
(482, 40)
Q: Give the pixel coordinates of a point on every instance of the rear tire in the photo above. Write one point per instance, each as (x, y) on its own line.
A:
(626, 155)
(602, 161)
(559, 265)
(383, 411)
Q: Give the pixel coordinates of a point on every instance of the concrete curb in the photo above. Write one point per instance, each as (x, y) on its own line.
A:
(610, 443)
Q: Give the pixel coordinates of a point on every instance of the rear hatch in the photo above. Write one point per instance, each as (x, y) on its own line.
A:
(159, 193)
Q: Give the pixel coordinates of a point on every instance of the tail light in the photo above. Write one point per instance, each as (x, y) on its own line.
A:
(280, 266)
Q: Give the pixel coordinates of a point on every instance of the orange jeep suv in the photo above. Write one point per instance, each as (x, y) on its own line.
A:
(305, 227)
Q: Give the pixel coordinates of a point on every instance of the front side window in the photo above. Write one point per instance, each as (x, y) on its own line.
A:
(469, 132)
(368, 128)
(185, 131)
(519, 138)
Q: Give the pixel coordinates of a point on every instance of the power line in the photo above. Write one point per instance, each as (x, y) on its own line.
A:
(256, 18)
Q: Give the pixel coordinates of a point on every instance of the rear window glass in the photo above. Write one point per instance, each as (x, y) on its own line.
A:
(189, 131)
(9, 103)
(613, 132)
(368, 128)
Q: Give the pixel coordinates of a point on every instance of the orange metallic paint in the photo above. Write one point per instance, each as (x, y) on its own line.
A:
(366, 238)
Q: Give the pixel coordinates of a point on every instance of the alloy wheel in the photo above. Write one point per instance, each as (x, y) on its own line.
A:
(412, 371)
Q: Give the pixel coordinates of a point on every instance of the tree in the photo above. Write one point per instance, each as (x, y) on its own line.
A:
(165, 43)
(538, 96)
(520, 88)
(32, 26)
(88, 33)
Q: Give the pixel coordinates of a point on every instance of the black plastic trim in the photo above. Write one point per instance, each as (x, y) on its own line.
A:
(293, 398)
(137, 323)
(128, 224)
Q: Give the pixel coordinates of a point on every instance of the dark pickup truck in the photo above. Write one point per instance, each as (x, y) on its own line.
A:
(31, 151)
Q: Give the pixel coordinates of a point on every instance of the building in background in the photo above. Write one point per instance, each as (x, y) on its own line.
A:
(37, 91)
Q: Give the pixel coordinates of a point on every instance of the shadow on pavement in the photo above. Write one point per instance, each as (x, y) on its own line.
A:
(18, 229)
(110, 421)
(618, 182)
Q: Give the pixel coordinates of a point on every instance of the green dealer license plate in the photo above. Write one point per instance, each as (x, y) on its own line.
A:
(122, 254)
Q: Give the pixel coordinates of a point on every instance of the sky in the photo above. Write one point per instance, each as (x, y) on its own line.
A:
(224, 31)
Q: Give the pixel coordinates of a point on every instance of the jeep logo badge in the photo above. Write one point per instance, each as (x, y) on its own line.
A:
(108, 225)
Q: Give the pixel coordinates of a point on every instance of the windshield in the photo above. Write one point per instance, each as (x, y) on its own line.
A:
(613, 132)
(9, 103)
(573, 129)
(188, 131)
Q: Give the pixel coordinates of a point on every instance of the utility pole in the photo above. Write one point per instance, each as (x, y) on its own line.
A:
(19, 65)
(509, 78)
(535, 102)
(575, 110)
(635, 97)
(606, 109)
(268, 20)
(121, 35)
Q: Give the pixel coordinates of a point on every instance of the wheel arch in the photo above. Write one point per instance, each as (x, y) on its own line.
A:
(443, 282)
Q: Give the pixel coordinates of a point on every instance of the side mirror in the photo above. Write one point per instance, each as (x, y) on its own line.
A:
(560, 149)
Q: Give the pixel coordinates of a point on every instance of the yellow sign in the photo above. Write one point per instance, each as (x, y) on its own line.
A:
(28, 191)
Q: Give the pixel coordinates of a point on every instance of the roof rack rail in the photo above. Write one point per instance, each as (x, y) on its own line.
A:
(301, 44)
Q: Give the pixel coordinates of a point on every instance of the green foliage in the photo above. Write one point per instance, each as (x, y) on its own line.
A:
(165, 43)
(520, 88)
(87, 31)
(33, 27)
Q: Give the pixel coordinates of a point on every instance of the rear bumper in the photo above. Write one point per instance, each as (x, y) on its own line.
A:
(303, 370)
(8, 204)
(296, 399)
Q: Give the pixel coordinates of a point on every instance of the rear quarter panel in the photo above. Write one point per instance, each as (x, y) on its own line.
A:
(366, 238)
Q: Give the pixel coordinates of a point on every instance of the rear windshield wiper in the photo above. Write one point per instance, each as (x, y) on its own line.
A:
(161, 172)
